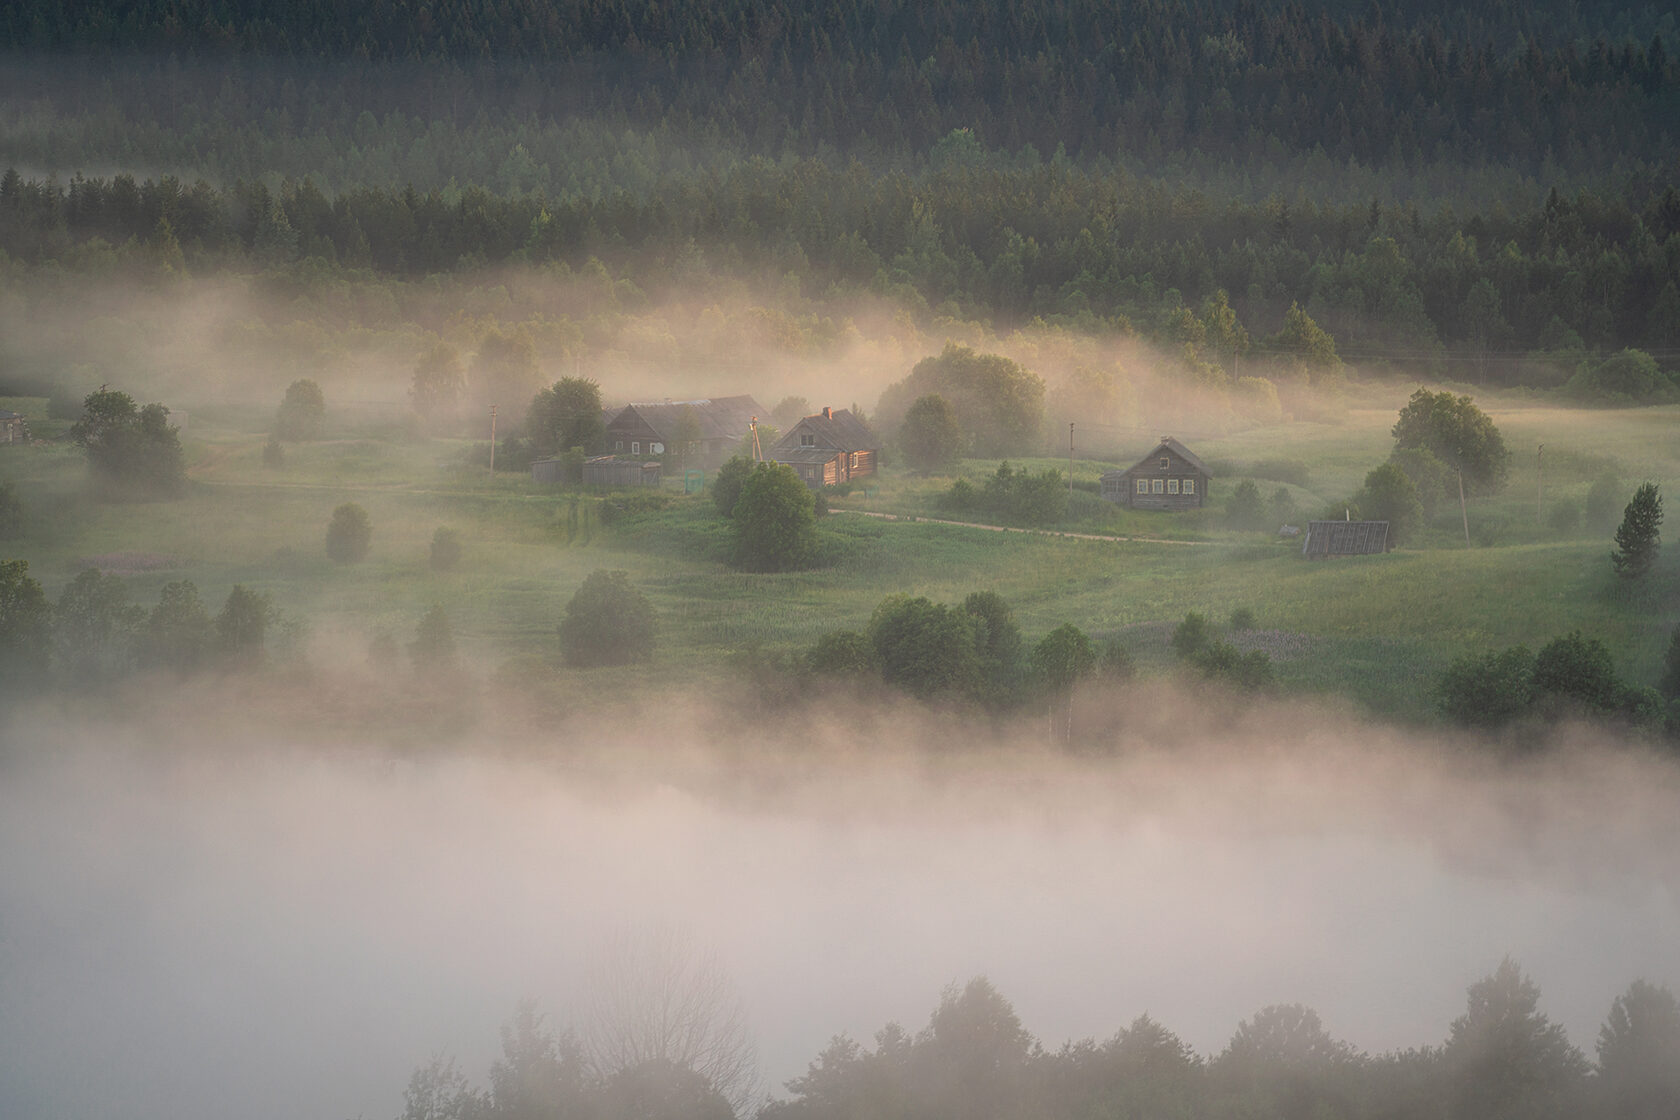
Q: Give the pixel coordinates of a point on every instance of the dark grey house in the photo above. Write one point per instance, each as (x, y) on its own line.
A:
(712, 428)
(1169, 478)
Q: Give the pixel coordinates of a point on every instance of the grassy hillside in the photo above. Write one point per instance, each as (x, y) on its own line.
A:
(1378, 629)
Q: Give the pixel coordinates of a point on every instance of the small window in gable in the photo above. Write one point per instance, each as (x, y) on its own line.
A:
(807, 439)
(1165, 462)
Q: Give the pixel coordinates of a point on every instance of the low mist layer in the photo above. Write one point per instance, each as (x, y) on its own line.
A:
(198, 925)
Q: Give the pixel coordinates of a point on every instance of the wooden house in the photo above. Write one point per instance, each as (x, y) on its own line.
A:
(1344, 538)
(828, 448)
(711, 426)
(13, 429)
(1168, 478)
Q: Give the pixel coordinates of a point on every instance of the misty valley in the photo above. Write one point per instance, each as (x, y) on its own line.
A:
(719, 561)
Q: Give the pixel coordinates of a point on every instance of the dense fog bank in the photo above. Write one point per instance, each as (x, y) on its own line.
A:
(199, 923)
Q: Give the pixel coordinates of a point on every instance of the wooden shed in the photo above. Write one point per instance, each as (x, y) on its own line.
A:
(1344, 538)
(1168, 478)
(13, 428)
(610, 471)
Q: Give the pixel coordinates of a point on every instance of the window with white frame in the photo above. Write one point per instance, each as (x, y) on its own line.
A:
(1159, 485)
(1143, 486)
(618, 445)
(1165, 462)
(1172, 485)
(1189, 486)
(636, 447)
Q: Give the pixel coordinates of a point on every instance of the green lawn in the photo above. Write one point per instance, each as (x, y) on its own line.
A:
(1376, 628)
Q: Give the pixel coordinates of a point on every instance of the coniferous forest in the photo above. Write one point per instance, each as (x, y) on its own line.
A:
(1438, 188)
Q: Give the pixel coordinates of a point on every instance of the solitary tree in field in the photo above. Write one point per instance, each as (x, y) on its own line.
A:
(302, 412)
(349, 533)
(1639, 537)
(608, 622)
(775, 521)
(1459, 434)
(131, 449)
(433, 648)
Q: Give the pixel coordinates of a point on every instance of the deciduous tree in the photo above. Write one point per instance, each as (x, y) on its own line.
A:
(930, 437)
(608, 622)
(1508, 1061)
(94, 627)
(775, 521)
(178, 633)
(565, 415)
(999, 404)
(349, 534)
(1639, 1054)
(302, 412)
(25, 626)
(132, 450)
(437, 386)
(1458, 433)
(242, 625)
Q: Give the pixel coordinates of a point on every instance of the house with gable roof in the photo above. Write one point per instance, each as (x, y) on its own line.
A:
(828, 448)
(1169, 478)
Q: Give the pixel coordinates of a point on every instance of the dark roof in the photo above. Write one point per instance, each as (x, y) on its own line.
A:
(719, 417)
(1167, 443)
(803, 455)
(1345, 538)
(838, 430)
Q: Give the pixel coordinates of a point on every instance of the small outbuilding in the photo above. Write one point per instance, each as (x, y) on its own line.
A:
(828, 448)
(1344, 538)
(1168, 478)
(13, 429)
(611, 471)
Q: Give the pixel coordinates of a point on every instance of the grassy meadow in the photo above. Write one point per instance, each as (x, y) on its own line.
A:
(1377, 629)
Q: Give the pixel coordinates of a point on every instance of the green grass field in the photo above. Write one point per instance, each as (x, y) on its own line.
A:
(1378, 629)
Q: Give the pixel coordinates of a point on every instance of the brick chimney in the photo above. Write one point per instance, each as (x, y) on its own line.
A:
(828, 412)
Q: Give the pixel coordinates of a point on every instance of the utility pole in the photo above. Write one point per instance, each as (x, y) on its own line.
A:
(1070, 461)
(757, 455)
(1539, 488)
(1463, 510)
(492, 441)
